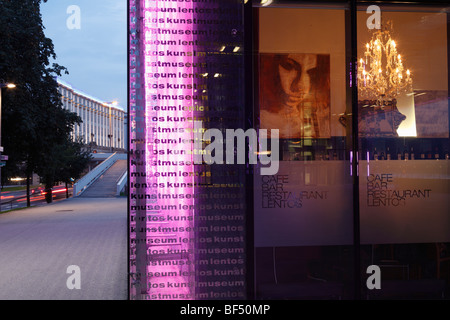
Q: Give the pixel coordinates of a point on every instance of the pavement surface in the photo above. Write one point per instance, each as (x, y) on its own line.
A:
(38, 244)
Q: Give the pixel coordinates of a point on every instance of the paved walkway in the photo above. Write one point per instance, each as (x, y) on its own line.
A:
(38, 244)
(106, 185)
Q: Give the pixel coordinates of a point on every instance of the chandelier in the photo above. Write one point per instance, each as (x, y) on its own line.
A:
(381, 75)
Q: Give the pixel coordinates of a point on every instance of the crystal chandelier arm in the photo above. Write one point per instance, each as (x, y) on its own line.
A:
(381, 74)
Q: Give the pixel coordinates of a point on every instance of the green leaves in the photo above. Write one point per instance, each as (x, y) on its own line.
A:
(35, 128)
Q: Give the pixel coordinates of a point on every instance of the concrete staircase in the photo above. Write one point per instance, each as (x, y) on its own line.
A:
(106, 185)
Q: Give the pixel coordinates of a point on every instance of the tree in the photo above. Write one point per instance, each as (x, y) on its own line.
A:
(66, 164)
(76, 161)
(34, 123)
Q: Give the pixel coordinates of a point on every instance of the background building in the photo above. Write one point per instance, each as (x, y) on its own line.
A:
(103, 126)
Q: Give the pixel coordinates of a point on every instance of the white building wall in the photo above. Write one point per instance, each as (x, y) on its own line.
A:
(96, 117)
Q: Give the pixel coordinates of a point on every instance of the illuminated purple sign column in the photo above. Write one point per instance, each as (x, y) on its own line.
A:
(220, 218)
(162, 181)
(136, 111)
(187, 222)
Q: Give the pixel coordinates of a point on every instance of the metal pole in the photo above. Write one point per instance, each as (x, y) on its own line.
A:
(1, 185)
(2, 85)
(355, 148)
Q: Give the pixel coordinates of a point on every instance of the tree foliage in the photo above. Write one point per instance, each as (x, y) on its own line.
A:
(68, 161)
(35, 128)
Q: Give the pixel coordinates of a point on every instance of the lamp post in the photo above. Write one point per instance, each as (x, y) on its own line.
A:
(110, 129)
(9, 86)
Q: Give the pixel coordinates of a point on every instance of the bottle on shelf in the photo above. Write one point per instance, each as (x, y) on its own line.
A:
(446, 156)
(388, 154)
(382, 157)
(436, 154)
(399, 155)
(375, 154)
(405, 155)
(412, 153)
(422, 155)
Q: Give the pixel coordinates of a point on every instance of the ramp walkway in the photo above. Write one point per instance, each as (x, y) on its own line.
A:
(105, 186)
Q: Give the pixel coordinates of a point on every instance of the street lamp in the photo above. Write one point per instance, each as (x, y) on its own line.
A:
(9, 86)
(114, 103)
(92, 143)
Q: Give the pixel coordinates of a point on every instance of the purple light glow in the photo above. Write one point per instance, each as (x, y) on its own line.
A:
(351, 163)
(187, 222)
(368, 161)
(181, 151)
(168, 143)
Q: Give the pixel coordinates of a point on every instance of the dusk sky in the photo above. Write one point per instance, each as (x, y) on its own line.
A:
(96, 54)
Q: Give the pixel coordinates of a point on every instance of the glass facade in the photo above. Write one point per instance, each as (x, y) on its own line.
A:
(303, 215)
(403, 133)
(288, 150)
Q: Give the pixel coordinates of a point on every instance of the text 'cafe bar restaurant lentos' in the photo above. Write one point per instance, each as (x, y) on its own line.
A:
(288, 150)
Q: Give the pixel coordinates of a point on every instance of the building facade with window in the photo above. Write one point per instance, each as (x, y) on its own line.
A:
(352, 98)
(102, 129)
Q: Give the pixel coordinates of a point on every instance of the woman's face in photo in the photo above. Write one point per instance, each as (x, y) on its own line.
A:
(294, 75)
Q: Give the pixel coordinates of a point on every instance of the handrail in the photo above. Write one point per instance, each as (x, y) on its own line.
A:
(81, 185)
(121, 184)
(16, 199)
(2, 203)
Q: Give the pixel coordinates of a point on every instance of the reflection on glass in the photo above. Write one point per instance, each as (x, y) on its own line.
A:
(303, 215)
(404, 140)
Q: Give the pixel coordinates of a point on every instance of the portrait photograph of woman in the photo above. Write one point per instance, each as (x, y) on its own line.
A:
(295, 94)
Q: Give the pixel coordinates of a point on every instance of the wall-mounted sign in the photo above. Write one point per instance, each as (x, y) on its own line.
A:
(306, 203)
(404, 201)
